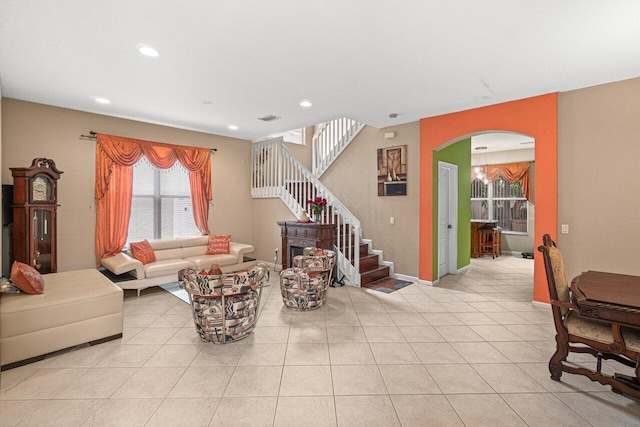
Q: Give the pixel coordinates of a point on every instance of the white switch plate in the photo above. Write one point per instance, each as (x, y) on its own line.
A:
(392, 220)
(565, 228)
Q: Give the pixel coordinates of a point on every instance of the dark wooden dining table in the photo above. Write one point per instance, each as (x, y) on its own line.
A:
(609, 297)
(612, 298)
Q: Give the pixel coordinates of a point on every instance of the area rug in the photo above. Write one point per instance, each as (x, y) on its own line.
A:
(387, 285)
(175, 290)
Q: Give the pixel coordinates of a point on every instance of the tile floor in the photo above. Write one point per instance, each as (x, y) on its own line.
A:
(472, 351)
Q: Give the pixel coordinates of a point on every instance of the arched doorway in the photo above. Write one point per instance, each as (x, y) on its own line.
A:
(532, 116)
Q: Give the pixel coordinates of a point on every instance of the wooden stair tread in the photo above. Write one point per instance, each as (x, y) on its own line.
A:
(377, 273)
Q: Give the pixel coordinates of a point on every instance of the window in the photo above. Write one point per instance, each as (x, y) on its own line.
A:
(500, 200)
(161, 203)
(295, 136)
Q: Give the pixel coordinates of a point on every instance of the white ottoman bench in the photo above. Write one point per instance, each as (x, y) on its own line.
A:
(77, 307)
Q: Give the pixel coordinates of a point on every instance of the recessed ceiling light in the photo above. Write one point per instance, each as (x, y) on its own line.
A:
(305, 103)
(148, 51)
(100, 100)
(233, 127)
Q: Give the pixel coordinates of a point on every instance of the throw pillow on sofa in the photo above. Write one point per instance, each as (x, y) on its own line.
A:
(142, 251)
(218, 245)
(27, 278)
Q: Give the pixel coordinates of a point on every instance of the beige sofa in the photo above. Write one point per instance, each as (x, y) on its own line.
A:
(76, 307)
(172, 255)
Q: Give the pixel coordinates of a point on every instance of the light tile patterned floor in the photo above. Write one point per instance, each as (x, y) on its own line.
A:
(472, 351)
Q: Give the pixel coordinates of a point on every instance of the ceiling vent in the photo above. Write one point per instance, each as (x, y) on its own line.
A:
(268, 118)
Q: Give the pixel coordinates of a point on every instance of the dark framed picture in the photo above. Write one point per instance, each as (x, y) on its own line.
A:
(392, 171)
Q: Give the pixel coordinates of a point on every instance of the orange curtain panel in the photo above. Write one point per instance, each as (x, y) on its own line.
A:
(510, 172)
(115, 157)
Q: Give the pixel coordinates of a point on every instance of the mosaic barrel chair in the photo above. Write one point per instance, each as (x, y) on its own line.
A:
(224, 307)
(304, 286)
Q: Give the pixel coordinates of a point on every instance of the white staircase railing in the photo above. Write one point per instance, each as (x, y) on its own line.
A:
(330, 139)
(277, 173)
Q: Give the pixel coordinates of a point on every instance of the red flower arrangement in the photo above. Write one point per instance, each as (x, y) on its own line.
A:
(316, 206)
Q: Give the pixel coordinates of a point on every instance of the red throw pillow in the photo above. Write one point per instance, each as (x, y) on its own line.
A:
(142, 251)
(26, 278)
(218, 245)
(215, 270)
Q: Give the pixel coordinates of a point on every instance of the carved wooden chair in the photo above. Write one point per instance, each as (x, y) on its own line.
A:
(603, 340)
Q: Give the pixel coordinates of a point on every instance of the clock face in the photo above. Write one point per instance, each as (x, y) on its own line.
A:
(40, 189)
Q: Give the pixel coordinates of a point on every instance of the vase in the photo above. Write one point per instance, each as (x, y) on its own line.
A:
(317, 217)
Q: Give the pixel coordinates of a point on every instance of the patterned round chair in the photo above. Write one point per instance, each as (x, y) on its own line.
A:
(304, 286)
(224, 307)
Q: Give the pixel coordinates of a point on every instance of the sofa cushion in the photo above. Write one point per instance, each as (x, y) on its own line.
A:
(219, 245)
(70, 297)
(161, 244)
(205, 261)
(142, 251)
(194, 251)
(188, 242)
(165, 254)
(168, 266)
(27, 278)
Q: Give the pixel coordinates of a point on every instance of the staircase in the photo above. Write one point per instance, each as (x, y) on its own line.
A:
(276, 172)
(329, 140)
(370, 267)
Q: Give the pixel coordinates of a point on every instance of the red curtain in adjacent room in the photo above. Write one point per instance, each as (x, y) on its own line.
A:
(115, 157)
(511, 172)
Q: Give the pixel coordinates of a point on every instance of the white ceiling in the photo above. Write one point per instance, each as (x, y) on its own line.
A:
(227, 63)
(500, 141)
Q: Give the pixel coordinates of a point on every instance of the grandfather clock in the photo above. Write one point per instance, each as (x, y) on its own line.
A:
(34, 215)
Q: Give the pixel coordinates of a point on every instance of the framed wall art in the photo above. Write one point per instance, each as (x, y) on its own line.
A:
(392, 171)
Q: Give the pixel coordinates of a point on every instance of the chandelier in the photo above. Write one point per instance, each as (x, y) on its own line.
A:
(481, 167)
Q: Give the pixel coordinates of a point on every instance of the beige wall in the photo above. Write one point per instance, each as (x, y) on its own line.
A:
(599, 190)
(34, 130)
(599, 194)
(5, 235)
(266, 214)
(353, 179)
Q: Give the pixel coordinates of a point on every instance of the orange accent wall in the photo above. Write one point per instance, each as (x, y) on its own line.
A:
(536, 117)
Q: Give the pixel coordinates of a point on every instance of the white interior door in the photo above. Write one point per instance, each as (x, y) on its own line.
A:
(447, 218)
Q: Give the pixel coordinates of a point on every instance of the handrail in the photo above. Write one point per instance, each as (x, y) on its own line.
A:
(330, 139)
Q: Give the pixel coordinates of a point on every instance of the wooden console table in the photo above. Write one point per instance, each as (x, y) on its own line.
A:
(299, 235)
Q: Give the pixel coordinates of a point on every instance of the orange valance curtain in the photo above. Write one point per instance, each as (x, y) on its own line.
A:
(511, 172)
(115, 157)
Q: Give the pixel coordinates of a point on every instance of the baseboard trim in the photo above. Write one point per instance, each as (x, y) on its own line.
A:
(541, 304)
(463, 269)
(404, 277)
